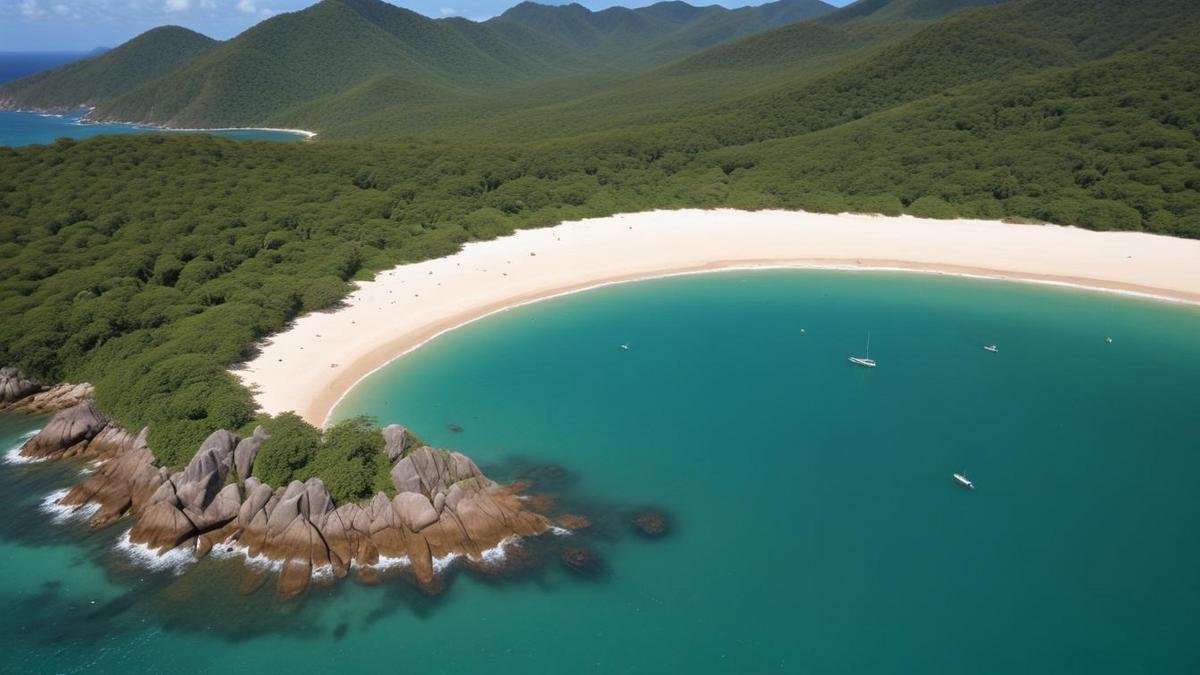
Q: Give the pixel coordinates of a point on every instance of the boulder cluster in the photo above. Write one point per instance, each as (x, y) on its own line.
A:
(18, 392)
(443, 504)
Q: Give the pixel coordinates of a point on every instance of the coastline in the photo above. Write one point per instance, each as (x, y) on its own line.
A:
(310, 366)
(85, 121)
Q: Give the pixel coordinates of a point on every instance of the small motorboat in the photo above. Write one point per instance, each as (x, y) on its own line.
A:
(964, 481)
(1108, 341)
(625, 345)
(991, 348)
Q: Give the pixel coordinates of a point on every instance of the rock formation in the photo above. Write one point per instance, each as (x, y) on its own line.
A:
(18, 392)
(246, 451)
(14, 386)
(69, 433)
(395, 441)
(443, 505)
(650, 523)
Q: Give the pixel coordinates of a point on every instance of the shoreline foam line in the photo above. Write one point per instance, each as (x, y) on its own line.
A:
(84, 121)
(311, 366)
(13, 456)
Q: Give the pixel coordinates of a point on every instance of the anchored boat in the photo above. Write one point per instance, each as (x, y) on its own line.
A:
(964, 481)
(865, 361)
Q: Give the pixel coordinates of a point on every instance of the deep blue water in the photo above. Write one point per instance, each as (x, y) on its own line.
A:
(817, 527)
(15, 65)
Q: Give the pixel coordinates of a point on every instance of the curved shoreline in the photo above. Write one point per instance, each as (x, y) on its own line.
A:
(86, 121)
(335, 351)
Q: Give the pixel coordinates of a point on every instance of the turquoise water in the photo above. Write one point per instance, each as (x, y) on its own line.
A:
(817, 528)
(23, 128)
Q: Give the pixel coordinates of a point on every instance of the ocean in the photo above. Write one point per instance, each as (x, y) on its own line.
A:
(28, 128)
(815, 523)
(15, 65)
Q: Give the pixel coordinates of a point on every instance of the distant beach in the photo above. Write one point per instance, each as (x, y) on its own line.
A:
(29, 127)
(310, 366)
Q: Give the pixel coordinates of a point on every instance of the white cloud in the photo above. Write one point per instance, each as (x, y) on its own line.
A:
(178, 5)
(448, 11)
(251, 7)
(29, 9)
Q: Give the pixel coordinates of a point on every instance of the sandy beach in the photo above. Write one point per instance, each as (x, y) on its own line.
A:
(311, 365)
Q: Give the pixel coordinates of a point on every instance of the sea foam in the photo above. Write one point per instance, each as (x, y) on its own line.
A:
(233, 550)
(498, 553)
(13, 456)
(60, 513)
(175, 560)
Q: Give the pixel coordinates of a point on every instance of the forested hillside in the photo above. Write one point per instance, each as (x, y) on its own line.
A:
(579, 104)
(112, 73)
(304, 65)
(149, 265)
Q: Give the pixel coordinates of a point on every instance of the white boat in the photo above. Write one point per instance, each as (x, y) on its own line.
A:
(625, 346)
(991, 348)
(1108, 341)
(865, 361)
(963, 481)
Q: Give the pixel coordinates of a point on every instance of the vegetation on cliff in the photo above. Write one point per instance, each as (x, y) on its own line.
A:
(348, 456)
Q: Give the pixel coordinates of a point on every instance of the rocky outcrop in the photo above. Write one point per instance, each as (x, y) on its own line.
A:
(18, 392)
(650, 523)
(68, 433)
(126, 482)
(395, 441)
(14, 386)
(443, 505)
(246, 452)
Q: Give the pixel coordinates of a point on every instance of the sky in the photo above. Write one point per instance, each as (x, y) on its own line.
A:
(81, 25)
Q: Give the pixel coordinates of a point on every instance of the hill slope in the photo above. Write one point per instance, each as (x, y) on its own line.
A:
(715, 85)
(820, 74)
(571, 105)
(89, 81)
(283, 67)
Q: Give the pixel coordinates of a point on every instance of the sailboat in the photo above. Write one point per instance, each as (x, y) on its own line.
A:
(866, 361)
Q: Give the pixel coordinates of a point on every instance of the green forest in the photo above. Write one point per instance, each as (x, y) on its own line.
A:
(149, 265)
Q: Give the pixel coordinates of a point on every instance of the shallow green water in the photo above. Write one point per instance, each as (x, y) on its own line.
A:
(817, 526)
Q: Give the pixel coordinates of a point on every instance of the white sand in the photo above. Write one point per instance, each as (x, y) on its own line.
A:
(311, 365)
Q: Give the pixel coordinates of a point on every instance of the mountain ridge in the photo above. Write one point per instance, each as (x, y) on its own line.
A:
(109, 73)
(292, 60)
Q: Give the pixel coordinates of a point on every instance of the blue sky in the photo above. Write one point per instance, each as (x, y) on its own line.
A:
(50, 25)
